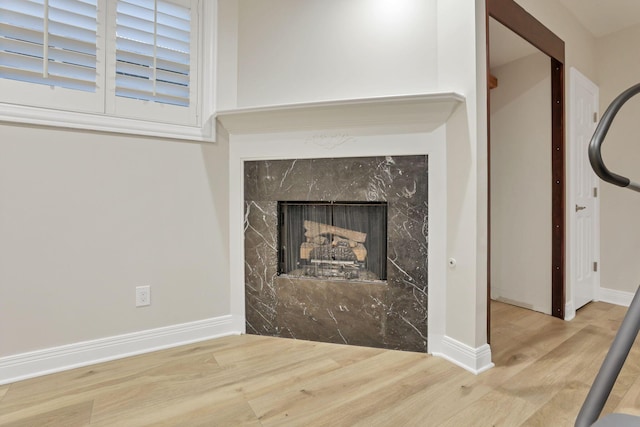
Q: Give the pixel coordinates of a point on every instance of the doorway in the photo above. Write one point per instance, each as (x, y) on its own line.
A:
(514, 17)
(520, 117)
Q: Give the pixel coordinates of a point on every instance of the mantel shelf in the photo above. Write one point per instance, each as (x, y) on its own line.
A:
(424, 112)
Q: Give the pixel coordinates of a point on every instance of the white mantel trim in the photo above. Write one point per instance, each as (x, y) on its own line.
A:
(385, 126)
(330, 143)
(400, 114)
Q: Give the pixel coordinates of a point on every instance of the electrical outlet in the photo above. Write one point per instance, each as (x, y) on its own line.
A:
(143, 296)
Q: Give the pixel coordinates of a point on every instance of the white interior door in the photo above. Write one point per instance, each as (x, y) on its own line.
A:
(584, 208)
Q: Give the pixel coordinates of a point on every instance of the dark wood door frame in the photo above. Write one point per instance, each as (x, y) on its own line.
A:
(518, 20)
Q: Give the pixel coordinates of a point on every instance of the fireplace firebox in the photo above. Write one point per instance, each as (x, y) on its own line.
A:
(336, 240)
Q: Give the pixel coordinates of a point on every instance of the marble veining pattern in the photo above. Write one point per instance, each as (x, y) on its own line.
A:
(391, 314)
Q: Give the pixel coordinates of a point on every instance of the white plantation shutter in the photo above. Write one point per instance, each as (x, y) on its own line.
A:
(132, 66)
(52, 42)
(153, 51)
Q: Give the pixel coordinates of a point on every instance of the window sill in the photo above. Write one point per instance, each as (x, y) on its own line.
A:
(102, 123)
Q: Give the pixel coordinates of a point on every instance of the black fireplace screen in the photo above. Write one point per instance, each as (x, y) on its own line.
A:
(333, 239)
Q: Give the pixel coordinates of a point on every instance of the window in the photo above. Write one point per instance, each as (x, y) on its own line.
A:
(123, 62)
(50, 42)
(153, 51)
(49, 54)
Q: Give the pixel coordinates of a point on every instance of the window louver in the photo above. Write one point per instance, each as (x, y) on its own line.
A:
(153, 51)
(50, 42)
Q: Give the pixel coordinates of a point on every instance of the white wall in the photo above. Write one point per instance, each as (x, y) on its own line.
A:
(296, 51)
(87, 217)
(227, 55)
(619, 69)
(521, 183)
(291, 51)
(462, 66)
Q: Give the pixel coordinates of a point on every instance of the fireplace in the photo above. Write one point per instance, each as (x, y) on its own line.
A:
(333, 240)
(335, 250)
(393, 149)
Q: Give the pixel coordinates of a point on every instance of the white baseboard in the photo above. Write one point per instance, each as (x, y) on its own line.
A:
(616, 297)
(474, 360)
(569, 311)
(41, 362)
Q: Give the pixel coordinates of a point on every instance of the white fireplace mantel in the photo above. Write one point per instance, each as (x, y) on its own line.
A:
(415, 113)
(381, 126)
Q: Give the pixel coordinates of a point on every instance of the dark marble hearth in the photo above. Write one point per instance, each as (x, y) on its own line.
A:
(388, 314)
(331, 310)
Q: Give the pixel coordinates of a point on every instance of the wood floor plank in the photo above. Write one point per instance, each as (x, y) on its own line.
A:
(448, 393)
(297, 373)
(199, 409)
(493, 409)
(123, 378)
(626, 379)
(544, 367)
(77, 415)
(630, 403)
(358, 396)
(299, 402)
(626, 391)
(554, 411)
(558, 368)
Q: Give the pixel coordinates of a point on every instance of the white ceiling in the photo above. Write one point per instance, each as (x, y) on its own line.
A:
(603, 17)
(600, 17)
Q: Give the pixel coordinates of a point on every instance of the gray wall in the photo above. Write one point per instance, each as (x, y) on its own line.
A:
(86, 217)
(619, 69)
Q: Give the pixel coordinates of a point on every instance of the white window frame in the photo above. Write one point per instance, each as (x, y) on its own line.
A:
(100, 116)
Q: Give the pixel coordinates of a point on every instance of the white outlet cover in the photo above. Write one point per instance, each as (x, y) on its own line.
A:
(143, 296)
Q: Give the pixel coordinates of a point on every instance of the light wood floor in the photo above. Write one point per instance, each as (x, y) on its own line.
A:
(544, 367)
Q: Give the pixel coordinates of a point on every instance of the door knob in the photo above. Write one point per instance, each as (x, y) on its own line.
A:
(579, 208)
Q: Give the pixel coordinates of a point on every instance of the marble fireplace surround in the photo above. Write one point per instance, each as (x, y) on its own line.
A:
(391, 313)
(377, 127)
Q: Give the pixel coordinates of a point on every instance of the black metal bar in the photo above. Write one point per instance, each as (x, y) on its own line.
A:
(595, 146)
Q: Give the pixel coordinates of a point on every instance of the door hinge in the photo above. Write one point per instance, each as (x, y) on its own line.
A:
(595, 191)
(595, 117)
(595, 266)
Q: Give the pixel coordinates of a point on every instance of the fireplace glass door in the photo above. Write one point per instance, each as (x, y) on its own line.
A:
(342, 240)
